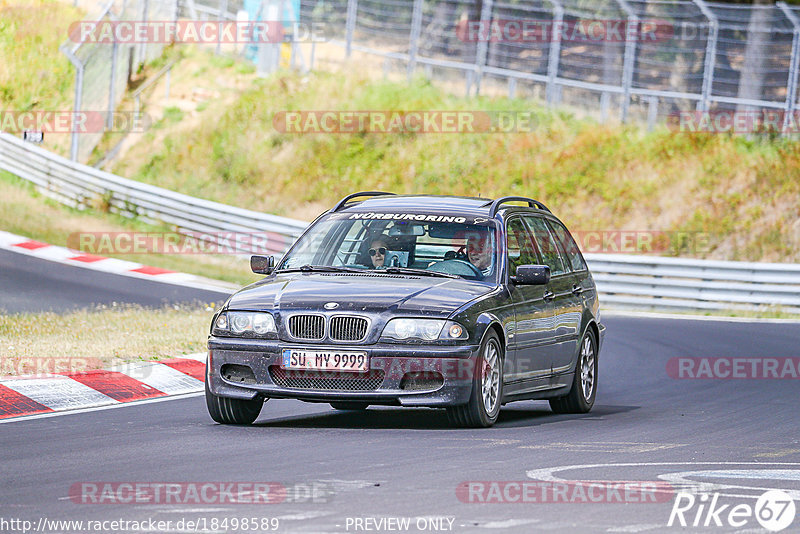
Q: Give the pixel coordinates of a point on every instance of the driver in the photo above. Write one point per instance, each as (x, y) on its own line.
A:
(479, 251)
(377, 252)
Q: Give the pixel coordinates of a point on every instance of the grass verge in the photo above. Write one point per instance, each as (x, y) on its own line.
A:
(98, 338)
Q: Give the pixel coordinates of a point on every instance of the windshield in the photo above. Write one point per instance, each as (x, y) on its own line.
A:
(391, 242)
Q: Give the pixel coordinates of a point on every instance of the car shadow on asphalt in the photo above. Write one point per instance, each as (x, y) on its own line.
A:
(528, 414)
(382, 418)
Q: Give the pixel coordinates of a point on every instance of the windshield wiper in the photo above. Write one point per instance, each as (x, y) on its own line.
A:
(409, 270)
(320, 269)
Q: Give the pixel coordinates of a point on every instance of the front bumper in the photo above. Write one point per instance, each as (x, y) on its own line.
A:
(453, 363)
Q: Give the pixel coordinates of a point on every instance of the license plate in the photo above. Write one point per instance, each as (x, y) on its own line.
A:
(325, 360)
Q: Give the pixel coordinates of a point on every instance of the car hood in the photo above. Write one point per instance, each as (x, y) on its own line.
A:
(355, 292)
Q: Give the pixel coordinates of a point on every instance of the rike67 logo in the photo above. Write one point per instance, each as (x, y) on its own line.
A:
(774, 510)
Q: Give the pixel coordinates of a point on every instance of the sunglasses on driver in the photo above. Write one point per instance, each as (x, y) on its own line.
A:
(380, 250)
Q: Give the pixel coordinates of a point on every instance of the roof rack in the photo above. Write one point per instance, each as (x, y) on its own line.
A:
(344, 201)
(495, 204)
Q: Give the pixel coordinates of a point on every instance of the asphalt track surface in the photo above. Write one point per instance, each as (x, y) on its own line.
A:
(393, 463)
(29, 284)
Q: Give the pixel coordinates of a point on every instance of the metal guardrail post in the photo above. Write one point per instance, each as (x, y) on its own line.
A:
(413, 45)
(791, 84)
(350, 25)
(483, 44)
(631, 36)
(711, 54)
(554, 55)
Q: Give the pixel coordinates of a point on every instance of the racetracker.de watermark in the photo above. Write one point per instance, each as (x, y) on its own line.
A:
(42, 366)
(55, 121)
(574, 31)
(177, 243)
(197, 32)
(734, 368)
(735, 122)
(381, 121)
(567, 492)
(639, 241)
(202, 493)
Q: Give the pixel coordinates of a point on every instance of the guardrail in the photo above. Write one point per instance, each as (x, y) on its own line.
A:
(623, 281)
(79, 185)
(657, 283)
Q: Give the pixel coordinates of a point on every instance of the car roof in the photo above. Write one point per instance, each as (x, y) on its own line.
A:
(477, 206)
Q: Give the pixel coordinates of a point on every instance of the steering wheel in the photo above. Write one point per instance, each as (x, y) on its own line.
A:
(457, 267)
(460, 254)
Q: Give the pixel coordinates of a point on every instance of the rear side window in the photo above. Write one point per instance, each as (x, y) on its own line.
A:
(568, 244)
(547, 245)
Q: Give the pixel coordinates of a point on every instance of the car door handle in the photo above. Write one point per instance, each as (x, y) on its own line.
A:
(577, 290)
(549, 295)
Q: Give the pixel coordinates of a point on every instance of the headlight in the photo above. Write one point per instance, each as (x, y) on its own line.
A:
(244, 324)
(423, 330)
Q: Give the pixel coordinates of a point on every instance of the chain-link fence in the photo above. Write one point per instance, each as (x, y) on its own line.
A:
(649, 59)
(103, 67)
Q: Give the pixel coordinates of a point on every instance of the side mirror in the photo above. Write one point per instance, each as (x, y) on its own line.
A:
(262, 264)
(532, 275)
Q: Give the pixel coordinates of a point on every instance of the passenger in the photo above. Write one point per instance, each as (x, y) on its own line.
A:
(479, 251)
(377, 253)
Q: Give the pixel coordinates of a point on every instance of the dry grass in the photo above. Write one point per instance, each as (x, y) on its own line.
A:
(99, 338)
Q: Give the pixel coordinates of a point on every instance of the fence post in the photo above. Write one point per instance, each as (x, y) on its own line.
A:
(791, 83)
(76, 105)
(711, 55)
(223, 9)
(142, 48)
(350, 25)
(631, 35)
(112, 82)
(555, 51)
(413, 45)
(483, 44)
(652, 113)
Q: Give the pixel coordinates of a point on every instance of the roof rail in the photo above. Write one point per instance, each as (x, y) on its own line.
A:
(342, 202)
(495, 204)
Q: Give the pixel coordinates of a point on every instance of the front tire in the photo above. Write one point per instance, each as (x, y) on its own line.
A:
(483, 407)
(232, 411)
(581, 397)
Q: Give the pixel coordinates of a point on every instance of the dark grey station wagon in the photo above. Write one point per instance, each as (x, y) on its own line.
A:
(458, 303)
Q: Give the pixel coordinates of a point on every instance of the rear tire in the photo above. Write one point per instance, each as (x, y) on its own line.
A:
(484, 403)
(352, 406)
(232, 411)
(581, 397)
